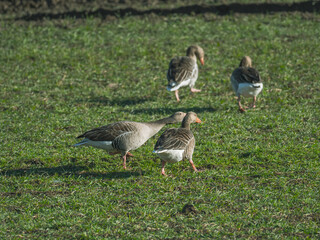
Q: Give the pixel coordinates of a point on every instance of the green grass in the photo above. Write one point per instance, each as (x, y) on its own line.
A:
(260, 170)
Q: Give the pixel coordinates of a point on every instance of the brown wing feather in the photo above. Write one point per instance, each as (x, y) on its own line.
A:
(180, 69)
(174, 138)
(109, 132)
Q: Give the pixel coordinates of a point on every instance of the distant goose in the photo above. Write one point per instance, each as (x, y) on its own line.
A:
(183, 71)
(121, 137)
(176, 144)
(246, 81)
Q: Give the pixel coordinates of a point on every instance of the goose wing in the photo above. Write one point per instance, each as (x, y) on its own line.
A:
(180, 69)
(109, 132)
(174, 139)
(249, 75)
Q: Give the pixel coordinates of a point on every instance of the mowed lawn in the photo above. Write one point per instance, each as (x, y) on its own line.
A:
(259, 171)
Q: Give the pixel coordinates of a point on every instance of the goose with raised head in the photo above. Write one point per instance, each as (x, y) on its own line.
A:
(122, 137)
(183, 71)
(246, 81)
(176, 144)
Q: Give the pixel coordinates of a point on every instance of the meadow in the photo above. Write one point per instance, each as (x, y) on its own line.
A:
(259, 171)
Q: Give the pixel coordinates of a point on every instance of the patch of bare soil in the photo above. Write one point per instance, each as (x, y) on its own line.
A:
(34, 10)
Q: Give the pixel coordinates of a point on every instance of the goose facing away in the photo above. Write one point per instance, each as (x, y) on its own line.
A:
(246, 81)
(183, 71)
(122, 137)
(176, 144)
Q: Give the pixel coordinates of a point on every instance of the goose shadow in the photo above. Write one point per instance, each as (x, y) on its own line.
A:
(130, 101)
(77, 171)
(222, 9)
(169, 110)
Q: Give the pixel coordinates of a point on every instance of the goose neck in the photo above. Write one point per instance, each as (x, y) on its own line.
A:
(185, 124)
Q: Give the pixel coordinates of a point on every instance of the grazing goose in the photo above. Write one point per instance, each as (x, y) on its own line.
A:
(176, 144)
(183, 71)
(121, 137)
(246, 81)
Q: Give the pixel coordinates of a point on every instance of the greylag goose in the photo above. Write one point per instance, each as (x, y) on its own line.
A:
(246, 81)
(183, 71)
(121, 137)
(176, 144)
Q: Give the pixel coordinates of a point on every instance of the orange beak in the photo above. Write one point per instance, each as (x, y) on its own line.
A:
(202, 61)
(198, 120)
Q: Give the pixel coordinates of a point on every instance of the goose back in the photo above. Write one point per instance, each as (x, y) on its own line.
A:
(246, 75)
(110, 131)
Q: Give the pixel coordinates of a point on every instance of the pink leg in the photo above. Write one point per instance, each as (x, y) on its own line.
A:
(193, 166)
(124, 157)
(254, 102)
(177, 95)
(239, 103)
(193, 90)
(162, 169)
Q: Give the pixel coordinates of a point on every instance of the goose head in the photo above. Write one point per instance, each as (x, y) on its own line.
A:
(176, 117)
(246, 62)
(195, 51)
(191, 117)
